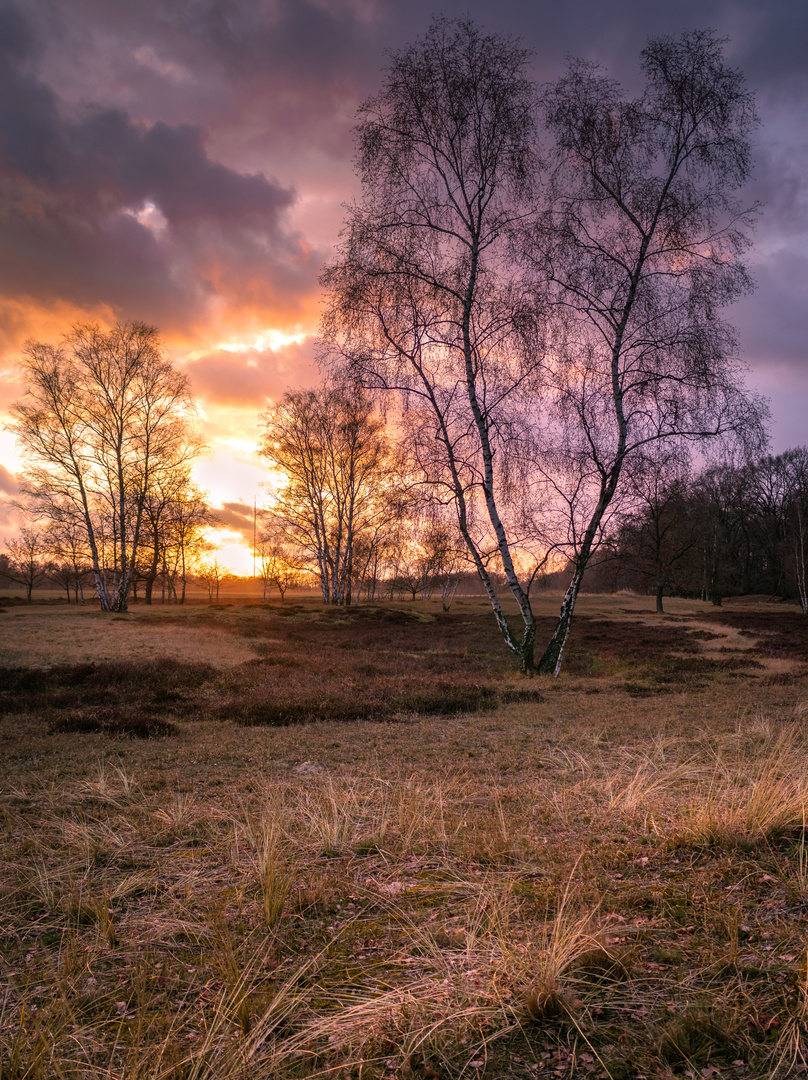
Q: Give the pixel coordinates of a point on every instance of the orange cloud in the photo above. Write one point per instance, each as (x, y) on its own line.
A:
(252, 377)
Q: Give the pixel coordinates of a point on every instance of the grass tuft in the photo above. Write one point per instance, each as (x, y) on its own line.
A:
(698, 1037)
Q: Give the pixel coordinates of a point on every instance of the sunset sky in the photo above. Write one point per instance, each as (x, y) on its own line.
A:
(184, 163)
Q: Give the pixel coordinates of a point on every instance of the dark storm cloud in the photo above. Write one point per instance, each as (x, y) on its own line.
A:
(169, 167)
(307, 40)
(312, 42)
(292, 64)
(75, 191)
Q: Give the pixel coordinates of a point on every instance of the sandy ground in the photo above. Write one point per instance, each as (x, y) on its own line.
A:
(40, 635)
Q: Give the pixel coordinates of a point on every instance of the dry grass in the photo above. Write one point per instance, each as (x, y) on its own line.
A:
(603, 876)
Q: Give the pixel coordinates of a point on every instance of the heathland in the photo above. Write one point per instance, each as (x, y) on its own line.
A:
(276, 841)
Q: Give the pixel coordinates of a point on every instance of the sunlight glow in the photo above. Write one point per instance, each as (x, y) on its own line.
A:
(231, 551)
(267, 339)
(245, 446)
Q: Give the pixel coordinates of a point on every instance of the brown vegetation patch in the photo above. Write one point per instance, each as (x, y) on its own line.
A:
(381, 703)
(362, 663)
(639, 640)
(658, 658)
(158, 686)
(125, 722)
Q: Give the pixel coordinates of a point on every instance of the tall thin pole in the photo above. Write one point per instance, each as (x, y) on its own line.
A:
(255, 514)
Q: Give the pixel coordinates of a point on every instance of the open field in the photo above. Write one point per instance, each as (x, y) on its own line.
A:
(288, 841)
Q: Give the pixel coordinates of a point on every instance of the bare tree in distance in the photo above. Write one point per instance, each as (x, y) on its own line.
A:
(262, 560)
(67, 547)
(280, 565)
(422, 301)
(27, 565)
(105, 412)
(338, 480)
(190, 517)
(427, 554)
(638, 246)
(448, 557)
(212, 575)
(164, 511)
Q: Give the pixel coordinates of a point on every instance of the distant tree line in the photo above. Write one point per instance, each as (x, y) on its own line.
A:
(728, 530)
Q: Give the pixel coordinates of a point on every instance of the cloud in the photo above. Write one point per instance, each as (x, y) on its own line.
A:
(236, 517)
(252, 376)
(11, 520)
(8, 485)
(103, 207)
(773, 321)
(780, 186)
(11, 517)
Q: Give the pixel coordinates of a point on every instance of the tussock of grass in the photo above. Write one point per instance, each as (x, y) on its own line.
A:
(764, 804)
(698, 1037)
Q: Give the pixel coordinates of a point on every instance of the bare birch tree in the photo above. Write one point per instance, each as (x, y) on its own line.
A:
(640, 244)
(420, 299)
(337, 480)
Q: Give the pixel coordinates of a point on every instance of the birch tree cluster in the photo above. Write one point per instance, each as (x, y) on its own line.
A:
(536, 276)
(336, 493)
(106, 432)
